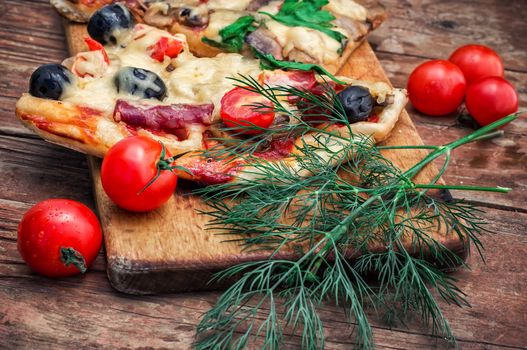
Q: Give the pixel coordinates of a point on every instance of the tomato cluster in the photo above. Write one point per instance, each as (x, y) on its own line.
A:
(474, 74)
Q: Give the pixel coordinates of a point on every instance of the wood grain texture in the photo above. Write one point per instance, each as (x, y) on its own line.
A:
(86, 313)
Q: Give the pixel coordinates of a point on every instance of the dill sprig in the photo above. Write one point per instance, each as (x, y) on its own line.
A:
(326, 231)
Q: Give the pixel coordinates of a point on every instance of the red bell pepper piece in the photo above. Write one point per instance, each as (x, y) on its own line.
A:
(94, 45)
(165, 47)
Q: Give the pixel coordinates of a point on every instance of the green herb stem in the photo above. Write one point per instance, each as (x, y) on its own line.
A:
(366, 205)
(479, 134)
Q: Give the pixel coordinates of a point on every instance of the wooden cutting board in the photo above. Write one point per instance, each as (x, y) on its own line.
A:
(169, 250)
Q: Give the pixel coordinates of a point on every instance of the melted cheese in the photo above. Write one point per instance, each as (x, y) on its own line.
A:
(272, 8)
(316, 44)
(90, 64)
(193, 80)
(205, 80)
(178, 3)
(219, 20)
(238, 5)
(347, 8)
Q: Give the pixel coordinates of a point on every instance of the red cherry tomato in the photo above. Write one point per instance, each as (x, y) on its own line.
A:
(299, 79)
(491, 98)
(127, 169)
(165, 47)
(236, 110)
(436, 87)
(59, 237)
(477, 61)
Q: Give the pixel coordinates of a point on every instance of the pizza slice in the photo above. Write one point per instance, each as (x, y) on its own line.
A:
(323, 32)
(144, 81)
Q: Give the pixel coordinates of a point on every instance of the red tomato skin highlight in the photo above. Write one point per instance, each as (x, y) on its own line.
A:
(436, 87)
(477, 61)
(491, 98)
(235, 110)
(128, 167)
(54, 224)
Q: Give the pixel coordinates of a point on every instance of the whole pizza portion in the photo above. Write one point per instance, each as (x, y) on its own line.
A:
(136, 79)
(323, 32)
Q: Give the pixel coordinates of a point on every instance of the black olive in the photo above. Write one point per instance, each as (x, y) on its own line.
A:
(106, 21)
(48, 81)
(357, 103)
(140, 82)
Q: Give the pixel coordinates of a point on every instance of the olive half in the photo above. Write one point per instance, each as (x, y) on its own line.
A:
(49, 81)
(105, 23)
(140, 82)
(357, 103)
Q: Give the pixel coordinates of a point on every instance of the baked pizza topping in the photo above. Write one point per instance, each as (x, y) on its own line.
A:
(49, 81)
(243, 108)
(107, 24)
(140, 82)
(357, 103)
(168, 118)
(93, 63)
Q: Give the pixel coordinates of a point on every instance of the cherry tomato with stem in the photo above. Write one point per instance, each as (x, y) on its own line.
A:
(247, 110)
(436, 87)
(137, 174)
(491, 98)
(477, 61)
(59, 238)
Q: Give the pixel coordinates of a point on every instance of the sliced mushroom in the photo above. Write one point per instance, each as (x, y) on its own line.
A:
(263, 41)
(300, 56)
(159, 15)
(193, 17)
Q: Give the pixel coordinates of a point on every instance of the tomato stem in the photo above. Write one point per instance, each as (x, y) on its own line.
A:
(163, 164)
(70, 256)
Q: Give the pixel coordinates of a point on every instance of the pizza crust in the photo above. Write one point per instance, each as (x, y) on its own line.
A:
(90, 131)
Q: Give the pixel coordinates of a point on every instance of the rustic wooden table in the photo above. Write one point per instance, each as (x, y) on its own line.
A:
(85, 312)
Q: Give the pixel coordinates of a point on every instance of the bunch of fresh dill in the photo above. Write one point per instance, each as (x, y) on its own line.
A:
(324, 232)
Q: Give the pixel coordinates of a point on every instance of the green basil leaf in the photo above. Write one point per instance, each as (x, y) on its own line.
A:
(267, 61)
(308, 13)
(232, 36)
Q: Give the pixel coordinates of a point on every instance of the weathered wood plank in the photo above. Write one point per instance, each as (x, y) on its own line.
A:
(33, 170)
(434, 28)
(84, 311)
(498, 162)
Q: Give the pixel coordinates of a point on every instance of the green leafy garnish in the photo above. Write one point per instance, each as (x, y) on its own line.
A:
(365, 208)
(308, 13)
(268, 61)
(233, 36)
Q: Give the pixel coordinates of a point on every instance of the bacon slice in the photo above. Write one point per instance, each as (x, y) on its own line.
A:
(168, 118)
